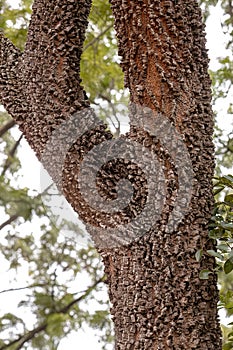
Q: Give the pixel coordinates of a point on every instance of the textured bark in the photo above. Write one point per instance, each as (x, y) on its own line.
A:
(45, 78)
(158, 300)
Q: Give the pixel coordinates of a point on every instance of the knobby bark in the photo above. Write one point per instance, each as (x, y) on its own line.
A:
(158, 300)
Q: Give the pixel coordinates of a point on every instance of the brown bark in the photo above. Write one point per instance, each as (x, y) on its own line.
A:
(158, 300)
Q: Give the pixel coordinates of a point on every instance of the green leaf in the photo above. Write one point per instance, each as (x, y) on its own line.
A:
(226, 180)
(215, 254)
(226, 225)
(204, 274)
(218, 190)
(230, 334)
(199, 254)
(56, 324)
(229, 200)
(223, 247)
(228, 266)
(228, 346)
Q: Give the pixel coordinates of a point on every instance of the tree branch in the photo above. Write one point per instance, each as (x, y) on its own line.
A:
(93, 41)
(7, 127)
(12, 152)
(118, 126)
(50, 93)
(46, 79)
(26, 337)
(10, 57)
(51, 67)
(21, 288)
(83, 296)
(30, 335)
(9, 221)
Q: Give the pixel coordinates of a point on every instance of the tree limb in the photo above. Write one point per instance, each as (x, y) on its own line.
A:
(6, 127)
(65, 309)
(51, 67)
(26, 337)
(118, 126)
(46, 79)
(12, 152)
(10, 57)
(49, 93)
(94, 40)
(9, 221)
(21, 288)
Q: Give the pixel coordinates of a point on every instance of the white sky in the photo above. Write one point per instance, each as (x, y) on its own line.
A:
(31, 170)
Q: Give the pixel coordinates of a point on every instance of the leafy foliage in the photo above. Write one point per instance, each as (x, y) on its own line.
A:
(221, 231)
(14, 21)
(221, 228)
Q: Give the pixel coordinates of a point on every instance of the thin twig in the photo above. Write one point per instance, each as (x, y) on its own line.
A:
(21, 288)
(9, 221)
(6, 127)
(118, 127)
(93, 41)
(12, 152)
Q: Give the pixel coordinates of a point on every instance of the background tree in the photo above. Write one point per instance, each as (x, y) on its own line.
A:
(104, 87)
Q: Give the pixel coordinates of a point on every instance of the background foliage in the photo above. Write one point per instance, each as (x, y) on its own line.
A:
(51, 279)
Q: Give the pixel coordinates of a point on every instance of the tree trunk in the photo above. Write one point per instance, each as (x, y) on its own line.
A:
(158, 299)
